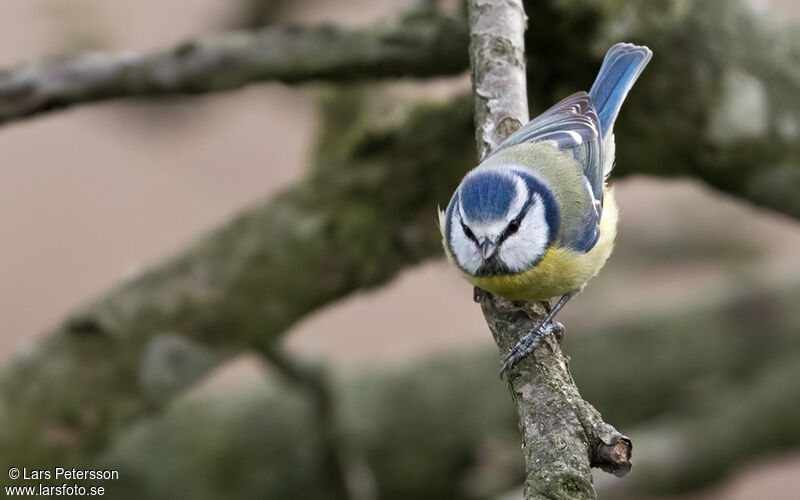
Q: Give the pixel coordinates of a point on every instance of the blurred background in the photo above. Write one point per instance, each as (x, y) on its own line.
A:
(689, 330)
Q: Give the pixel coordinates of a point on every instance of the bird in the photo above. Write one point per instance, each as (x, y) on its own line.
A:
(536, 218)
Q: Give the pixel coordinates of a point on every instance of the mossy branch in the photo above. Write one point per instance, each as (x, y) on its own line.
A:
(563, 435)
(731, 120)
(421, 443)
(365, 213)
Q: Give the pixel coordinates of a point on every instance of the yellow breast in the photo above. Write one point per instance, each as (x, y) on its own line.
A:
(561, 270)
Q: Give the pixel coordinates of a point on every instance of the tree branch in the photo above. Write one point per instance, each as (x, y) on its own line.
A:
(365, 213)
(420, 443)
(734, 64)
(497, 59)
(563, 435)
(414, 45)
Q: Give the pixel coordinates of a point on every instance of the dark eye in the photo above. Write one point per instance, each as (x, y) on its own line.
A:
(513, 226)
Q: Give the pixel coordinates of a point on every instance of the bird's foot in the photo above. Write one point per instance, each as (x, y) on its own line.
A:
(530, 341)
(559, 331)
(477, 294)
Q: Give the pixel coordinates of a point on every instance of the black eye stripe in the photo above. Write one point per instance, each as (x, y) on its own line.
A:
(468, 231)
(512, 227)
(515, 224)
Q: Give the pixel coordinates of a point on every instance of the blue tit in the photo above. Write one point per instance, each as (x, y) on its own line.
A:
(536, 219)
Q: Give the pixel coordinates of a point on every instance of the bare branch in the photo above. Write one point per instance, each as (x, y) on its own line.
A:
(415, 45)
(732, 120)
(563, 435)
(497, 59)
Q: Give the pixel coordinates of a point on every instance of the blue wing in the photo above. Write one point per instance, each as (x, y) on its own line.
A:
(582, 124)
(573, 125)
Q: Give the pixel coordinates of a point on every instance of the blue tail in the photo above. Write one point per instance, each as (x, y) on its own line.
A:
(623, 64)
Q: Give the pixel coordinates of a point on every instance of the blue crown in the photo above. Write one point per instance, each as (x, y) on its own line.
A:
(487, 195)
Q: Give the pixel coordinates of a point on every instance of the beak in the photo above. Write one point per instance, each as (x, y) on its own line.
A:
(488, 248)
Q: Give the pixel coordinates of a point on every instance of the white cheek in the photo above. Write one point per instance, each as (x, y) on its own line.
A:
(464, 249)
(520, 250)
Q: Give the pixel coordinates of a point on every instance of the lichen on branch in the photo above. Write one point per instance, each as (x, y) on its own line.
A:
(340, 229)
(563, 435)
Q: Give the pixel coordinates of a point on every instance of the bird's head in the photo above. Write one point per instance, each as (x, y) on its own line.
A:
(500, 221)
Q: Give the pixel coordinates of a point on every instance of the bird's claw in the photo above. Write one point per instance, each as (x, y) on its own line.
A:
(529, 342)
(559, 331)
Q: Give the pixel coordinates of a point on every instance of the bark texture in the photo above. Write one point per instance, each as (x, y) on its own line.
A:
(497, 59)
(562, 435)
